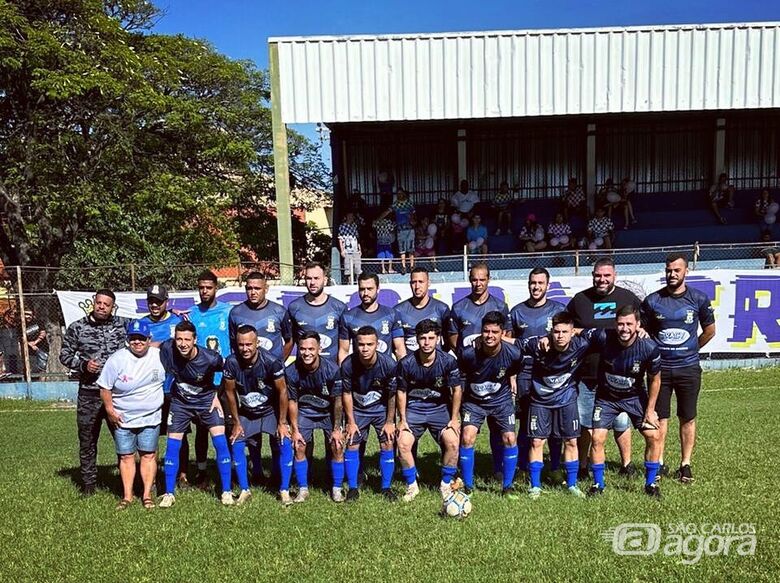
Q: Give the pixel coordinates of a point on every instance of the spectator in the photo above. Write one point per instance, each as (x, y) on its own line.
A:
(501, 201)
(627, 188)
(442, 221)
(425, 239)
(600, 231)
(574, 200)
(385, 229)
(405, 220)
(559, 233)
(765, 209)
(532, 235)
(608, 197)
(477, 236)
(770, 253)
(349, 246)
(721, 195)
(37, 343)
(463, 200)
(458, 225)
(386, 183)
(9, 343)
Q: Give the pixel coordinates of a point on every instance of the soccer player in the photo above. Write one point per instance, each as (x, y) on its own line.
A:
(317, 311)
(533, 317)
(487, 369)
(193, 368)
(314, 392)
(466, 324)
(596, 307)
(274, 331)
(552, 409)
(161, 320)
(371, 313)
(420, 307)
(625, 361)
(368, 396)
(674, 314)
(256, 394)
(428, 398)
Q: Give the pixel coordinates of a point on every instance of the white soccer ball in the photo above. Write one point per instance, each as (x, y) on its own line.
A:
(773, 208)
(457, 505)
(613, 197)
(564, 239)
(554, 242)
(432, 229)
(770, 219)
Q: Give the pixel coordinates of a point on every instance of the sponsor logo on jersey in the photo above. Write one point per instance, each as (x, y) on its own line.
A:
(325, 342)
(424, 394)
(253, 400)
(673, 336)
(265, 343)
(368, 399)
(469, 340)
(381, 346)
(557, 381)
(619, 381)
(411, 343)
(486, 388)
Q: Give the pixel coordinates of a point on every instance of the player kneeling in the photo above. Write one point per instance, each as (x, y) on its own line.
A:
(428, 398)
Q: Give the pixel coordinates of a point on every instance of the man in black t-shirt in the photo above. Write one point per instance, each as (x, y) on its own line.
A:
(596, 307)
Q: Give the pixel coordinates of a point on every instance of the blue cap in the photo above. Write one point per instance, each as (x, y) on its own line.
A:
(139, 328)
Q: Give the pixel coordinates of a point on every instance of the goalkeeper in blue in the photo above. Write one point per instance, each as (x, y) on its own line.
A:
(428, 399)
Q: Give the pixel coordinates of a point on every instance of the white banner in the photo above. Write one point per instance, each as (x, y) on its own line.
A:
(747, 303)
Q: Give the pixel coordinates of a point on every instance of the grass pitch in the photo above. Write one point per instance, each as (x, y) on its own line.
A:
(49, 533)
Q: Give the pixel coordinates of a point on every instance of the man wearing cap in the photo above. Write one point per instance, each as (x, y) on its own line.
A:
(161, 320)
(85, 349)
(131, 388)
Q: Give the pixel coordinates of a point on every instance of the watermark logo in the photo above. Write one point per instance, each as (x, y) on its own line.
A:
(690, 542)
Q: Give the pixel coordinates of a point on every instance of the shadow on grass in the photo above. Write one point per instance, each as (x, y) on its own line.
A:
(107, 477)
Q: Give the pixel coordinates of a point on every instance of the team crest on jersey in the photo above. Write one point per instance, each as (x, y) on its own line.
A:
(438, 383)
(385, 327)
(689, 316)
(271, 326)
(549, 324)
(377, 383)
(260, 385)
(636, 368)
(199, 378)
(574, 363)
(325, 391)
(331, 323)
(501, 373)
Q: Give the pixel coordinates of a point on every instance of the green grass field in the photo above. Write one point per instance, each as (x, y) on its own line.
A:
(49, 533)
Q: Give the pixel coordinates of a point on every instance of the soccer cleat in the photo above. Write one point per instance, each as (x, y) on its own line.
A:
(167, 501)
(583, 474)
(684, 474)
(337, 495)
(390, 495)
(595, 490)
(653, 490)
(576, 492)
(227, 499)
(509, 493)
(243, 497)
(352, 495)
(534, 493)
(445, 489)
(663, 470)
(628, 471)
(284, 497)
(411, 492)
(303, 495)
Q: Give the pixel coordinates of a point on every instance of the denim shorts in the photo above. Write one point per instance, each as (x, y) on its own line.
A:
(132, 439)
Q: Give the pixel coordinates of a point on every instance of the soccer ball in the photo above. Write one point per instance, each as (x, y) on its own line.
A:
(457, 505)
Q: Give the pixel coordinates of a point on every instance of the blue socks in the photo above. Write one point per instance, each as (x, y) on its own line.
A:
(448, 473)
(410, 475)
(497, 450)
(337, 471)
(386, 467)
(285, 463)
(535, 473)
(302, 472)
(651, 471)
(467, 465)
(556, 449)
(171, 462)
(223, 460)
(598, 474)
(571, 467)
(352, 466)
(509, 464)
(238, 450)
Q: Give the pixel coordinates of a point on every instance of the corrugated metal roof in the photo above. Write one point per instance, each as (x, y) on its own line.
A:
(529, 73)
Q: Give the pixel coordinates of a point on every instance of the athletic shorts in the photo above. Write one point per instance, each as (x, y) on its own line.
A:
(366, 420)
(132, 439)
(586, 398)
(254, 427)
(405, 241)
(502, 413)
(182, 414)
(685, 382)
(435, 420)
(384, 251)
(308, 425)
(605, 411)
(561, 422)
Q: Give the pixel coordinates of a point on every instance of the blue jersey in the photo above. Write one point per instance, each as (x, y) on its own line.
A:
(162, 329)
(271, 322)
(466, 318)
(673, 321)
(193, 380)
(554, 375)
(410, 316)
(212, 326)
(314, 391)
(370, 387)
(384, 320)
(324, 320)
(427, 387)
(486, 378)
(255, 383)
(530, 321)
(622, 369)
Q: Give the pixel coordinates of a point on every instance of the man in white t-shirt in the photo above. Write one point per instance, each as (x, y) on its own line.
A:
(464, 199)
(131, 390)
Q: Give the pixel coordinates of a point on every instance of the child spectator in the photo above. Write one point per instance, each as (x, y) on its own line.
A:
(477, 236)
(424, 239)
(600, 229)
(532, 235)
(559, 233)
(385, 229)
(766, 210)
(501, 201)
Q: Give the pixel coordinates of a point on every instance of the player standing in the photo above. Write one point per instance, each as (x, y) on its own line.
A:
(419, 307)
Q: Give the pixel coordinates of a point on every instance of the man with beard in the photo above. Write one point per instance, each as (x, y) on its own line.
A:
(420, 307)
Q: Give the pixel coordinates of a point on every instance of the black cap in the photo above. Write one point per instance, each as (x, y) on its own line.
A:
(158, 292)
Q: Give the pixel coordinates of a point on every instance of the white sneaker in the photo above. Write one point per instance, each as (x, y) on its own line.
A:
(243, 497)
(284, 496)
(227, 499)
(302, 496)
(337, 494)
(411, 492)
(534, 493)
(167, 501)
(575, 491)
(446, 490)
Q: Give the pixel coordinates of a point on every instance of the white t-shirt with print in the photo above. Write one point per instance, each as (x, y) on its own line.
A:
(136, 385)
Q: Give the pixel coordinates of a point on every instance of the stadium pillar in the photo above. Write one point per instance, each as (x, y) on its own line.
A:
(281, 171)
(719, 162)
(590, 167)
(461, 157)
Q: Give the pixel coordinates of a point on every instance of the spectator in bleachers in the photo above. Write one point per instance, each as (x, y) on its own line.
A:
(608, 197)
(442, 221)
(764, 209)
(425, 238)
(770, 253)
(349, 246)
(559, 233)
(385, 182)
(721, 195)
(501, 202)
(627, 188)
(477, 236)
(600, 231)
(464, 200)
(385, 235)
(574, 201)
(532, 235)
(405, 220)
(458, 225)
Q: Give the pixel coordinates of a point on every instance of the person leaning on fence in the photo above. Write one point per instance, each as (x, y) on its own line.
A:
(349, 246)
(86, 347)
(131, 388)
(37, 343)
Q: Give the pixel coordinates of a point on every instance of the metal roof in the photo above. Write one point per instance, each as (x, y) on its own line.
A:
(478, 75)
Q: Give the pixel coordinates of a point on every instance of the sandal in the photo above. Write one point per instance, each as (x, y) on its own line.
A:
(148, 503)
(123, 504)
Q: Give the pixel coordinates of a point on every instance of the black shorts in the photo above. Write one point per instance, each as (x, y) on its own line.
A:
(685, 383)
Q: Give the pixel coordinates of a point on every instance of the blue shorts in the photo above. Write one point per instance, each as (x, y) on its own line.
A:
(366, 420)
(182, 414)
(307, 426)
(255, 426)
(384, 251)
(132, 439)
(405, 241)
(435, 420)
(586, 398)
(605, 411)
(561, 422)
(502, 413)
